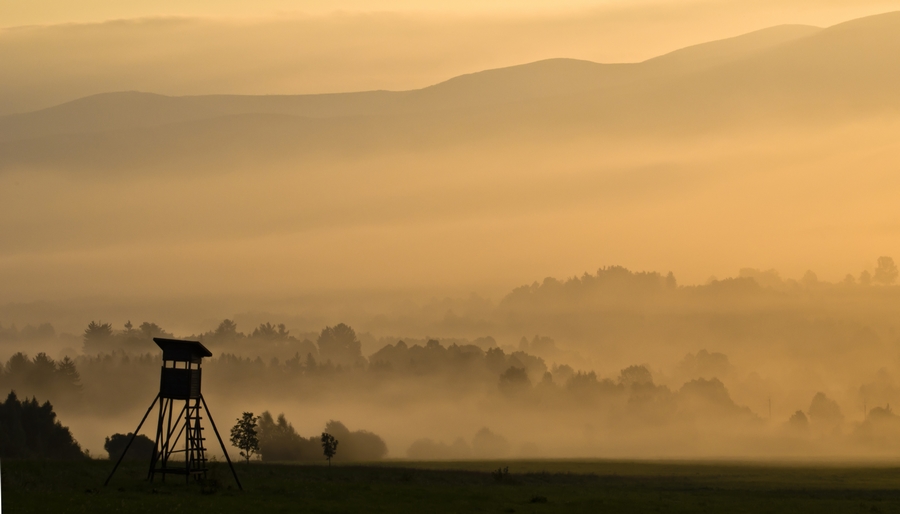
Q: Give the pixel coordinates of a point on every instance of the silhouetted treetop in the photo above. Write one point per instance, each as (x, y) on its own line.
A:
(886, 271)
(612, 280)
(29, 430)
(98, 338)
(140, 450)
(41, 376)
(358, 445)
(340, 345)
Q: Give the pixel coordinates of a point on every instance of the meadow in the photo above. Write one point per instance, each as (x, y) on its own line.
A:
(401, 486)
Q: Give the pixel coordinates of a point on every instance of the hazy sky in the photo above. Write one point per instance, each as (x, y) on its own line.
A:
(285, 48)
(27, 12)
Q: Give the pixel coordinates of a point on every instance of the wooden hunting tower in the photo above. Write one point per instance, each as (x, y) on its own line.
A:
(180, 381)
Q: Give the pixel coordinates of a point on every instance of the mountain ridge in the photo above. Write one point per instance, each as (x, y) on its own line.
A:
(787, 75)
(549, 77)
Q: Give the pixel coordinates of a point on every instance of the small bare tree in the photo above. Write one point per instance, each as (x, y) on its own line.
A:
(329, 446)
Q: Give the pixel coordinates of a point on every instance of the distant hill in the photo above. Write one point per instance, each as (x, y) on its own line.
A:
(130, 109)
(789, 73)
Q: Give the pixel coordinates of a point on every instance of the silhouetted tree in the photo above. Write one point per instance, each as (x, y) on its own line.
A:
(42, 375)
(329, 446)
(151, 330)
(671, 283)
(29, 430)
(825, 412)
(514, 381)
(141, 449)
(244, 436)
(269, 332)
(886, 271)
(635, 375)
(68, 374)
(358, 445)
(809, 279)
(227, 329)
(865, 278)
(98, 338)
(310, 362)
(798, 421)
(339, 345)
(488, 445)
(278, 441)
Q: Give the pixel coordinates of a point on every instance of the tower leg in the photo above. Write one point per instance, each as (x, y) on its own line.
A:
(133, 435)
(168, 449)
(159, 441)
(188, 443)
(222, 444)
(164, 437)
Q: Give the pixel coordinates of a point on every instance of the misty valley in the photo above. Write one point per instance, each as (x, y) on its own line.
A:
(617, 364)
(522, 280)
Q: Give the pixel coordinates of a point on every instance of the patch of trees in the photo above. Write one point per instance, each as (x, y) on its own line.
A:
(468, 361)
(41, 332)
(486, 444)
(30, 430)
(616, 283)
(612, 282)
(824, 418)
(267, 340)
(633, 396)
(279, 441)
(101, 338)
(41, 376)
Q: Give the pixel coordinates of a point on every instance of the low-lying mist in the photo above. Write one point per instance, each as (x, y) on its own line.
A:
(611, 364)
(355, 262)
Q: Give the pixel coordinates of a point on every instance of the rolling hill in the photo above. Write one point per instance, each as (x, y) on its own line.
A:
(793, 74)
(554, 77)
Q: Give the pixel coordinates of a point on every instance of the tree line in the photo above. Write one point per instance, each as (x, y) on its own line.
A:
(30, 430)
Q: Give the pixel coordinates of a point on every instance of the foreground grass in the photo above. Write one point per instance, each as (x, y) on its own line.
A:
(530, 487)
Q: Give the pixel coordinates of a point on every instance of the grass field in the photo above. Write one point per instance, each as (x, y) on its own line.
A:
(530, 487)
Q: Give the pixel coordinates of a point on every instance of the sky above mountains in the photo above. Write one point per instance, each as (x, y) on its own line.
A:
(713, 158)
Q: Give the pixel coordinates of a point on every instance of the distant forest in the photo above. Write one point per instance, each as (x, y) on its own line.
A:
(795, 321)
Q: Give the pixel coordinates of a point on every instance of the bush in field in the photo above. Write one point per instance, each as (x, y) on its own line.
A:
(488, 445)
(358, 445)
(141, 449)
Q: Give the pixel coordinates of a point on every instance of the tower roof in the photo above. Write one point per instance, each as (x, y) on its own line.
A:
(180, 350)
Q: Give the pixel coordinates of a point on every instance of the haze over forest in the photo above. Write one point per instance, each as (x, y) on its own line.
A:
(715, 210)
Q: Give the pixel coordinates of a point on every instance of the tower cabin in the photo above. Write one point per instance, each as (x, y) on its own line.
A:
(180, 376)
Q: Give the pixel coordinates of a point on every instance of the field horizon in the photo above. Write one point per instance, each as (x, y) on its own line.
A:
(632, 487)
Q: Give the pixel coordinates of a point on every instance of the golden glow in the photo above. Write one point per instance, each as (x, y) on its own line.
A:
(136, 182)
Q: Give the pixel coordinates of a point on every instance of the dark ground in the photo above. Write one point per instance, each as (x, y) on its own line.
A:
(530, 487)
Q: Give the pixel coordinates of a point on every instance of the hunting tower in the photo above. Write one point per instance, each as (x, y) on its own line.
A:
(179, 382)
